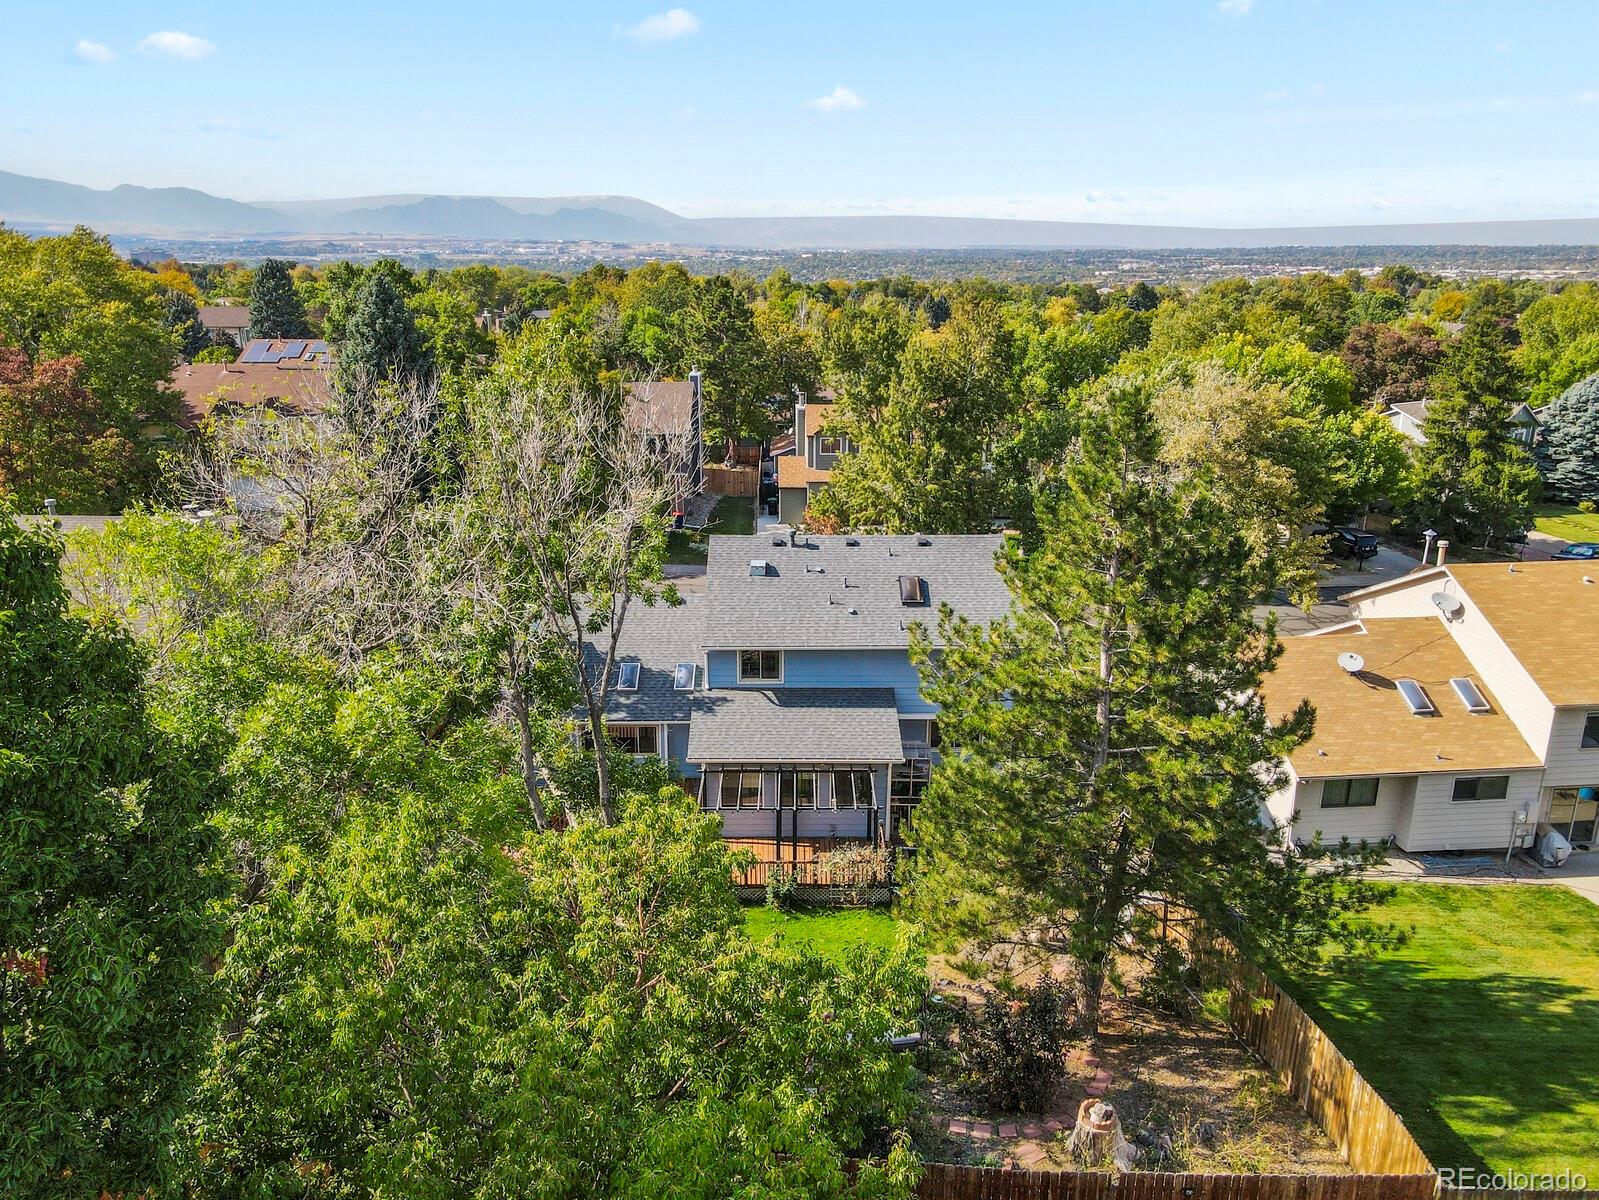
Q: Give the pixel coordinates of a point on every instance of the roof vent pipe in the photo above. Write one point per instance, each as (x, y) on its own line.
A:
(791, 536)
(1443, 550)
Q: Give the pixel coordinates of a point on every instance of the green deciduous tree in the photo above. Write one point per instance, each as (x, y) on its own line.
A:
(1105, 744)
(1472, 481)
(275, 307)
(1391, 363)
(106, 884)
(1568, 443)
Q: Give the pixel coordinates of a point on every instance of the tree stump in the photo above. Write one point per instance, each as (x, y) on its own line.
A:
(1097, 1136)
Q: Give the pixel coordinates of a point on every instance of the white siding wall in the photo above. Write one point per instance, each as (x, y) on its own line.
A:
(1439, 823)
(1381, 820)
(1568, 764)
(1511, 687)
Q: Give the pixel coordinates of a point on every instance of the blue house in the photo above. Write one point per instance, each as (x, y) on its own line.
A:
(784, 693)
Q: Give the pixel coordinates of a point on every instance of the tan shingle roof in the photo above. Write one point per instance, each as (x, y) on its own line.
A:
(660, 406)
(1364, 727)
(793, 473)
(1548, 617)
(205, 385)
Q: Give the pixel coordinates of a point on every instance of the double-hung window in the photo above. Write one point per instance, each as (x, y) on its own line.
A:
(830, 445)
(741, 789)
(1481, 787)
(1349, 793)
(760, 666)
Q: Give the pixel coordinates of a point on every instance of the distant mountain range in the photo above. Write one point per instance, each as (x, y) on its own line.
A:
(156, 211)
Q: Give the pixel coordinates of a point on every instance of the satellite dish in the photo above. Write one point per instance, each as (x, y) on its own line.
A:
(1351, 662)
(1447, 604)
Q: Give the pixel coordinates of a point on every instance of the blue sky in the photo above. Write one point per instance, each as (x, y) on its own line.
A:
(1243, 112)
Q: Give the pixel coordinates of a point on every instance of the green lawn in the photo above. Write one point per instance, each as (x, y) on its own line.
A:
(1482, 1031)
(832, 932)
(732, 514)
(1564, 521)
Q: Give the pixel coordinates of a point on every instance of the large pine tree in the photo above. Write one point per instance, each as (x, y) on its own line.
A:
(1568, 445)
(275, 308)
(380, 341)
(1472, 481)
(1104, 745)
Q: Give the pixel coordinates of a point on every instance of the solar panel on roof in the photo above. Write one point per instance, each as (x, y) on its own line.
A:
(254, 352)
(293, 349)
(1416, 697)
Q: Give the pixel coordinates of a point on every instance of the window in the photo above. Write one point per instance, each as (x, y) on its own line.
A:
(1590, 732)
(1481, 787)
(683, 677)
(829, 445)
(627, 677)
(796, 789)
(1349, 793)
(760, 666)
(908, 781)
(635, 739)
(741, 789)
(852, 789)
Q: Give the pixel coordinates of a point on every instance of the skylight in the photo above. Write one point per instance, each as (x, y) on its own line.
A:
(1470, 695)
(912, 590)
(627, 677)
(1416, 697)
(683, 677)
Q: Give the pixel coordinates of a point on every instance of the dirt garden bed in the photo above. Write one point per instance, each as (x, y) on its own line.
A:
(1189, 1095)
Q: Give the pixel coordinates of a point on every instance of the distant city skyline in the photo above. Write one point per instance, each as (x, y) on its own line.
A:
(1237, 113)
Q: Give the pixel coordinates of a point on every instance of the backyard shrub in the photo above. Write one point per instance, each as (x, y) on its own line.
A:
(855, 870)
(1587, 506)
(782, 888)
(1011, 1051)
(1167, 986)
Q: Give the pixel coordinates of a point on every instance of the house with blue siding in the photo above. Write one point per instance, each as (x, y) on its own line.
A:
(784, 693)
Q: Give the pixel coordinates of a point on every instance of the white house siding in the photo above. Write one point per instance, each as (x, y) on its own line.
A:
(1374, 824)
(1439, 823)
(1567, 763)
(1512, 689)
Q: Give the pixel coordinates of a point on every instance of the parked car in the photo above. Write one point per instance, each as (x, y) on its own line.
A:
(1579, 552)
(1346, 542)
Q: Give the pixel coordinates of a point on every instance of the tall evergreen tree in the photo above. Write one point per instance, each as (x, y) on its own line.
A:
(1472, 481)
(105, 895)
(275, 308)
(1568, 444)
(1104, 744)
(182, 317)
(380, 342)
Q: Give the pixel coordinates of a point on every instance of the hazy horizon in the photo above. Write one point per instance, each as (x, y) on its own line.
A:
(1230, 114)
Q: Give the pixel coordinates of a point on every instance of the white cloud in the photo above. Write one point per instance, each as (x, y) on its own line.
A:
(663, 27)
(93, 52)
(840, 99)
(174, 44)
(1235, 8)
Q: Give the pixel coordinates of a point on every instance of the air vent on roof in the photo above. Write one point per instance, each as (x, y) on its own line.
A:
(1450, 606)
(923, 540)
(759, 566)
(1470, 695)
(779, 541)
(627, 677)
(852, 541)
(1416, 697)
(912, 590)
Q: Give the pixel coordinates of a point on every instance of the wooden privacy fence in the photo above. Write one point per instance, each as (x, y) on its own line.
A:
(949, 1181)
(732, 481)
(1368, 1133)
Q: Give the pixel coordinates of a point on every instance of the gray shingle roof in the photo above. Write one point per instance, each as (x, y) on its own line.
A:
(658, 638)
(795, 725)
(825, 594)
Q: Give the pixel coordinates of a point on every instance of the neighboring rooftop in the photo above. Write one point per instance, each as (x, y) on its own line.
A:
(793, 473)
(204, 386)
(1549, 617)
(225, 316)
(840, 592)
(1363, 724)
(796, 725)
(660, 406)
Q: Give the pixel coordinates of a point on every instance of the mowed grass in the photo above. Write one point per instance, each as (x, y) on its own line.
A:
(1483, 1030)
(1564, 521)
(732, 514)
(833, 932)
